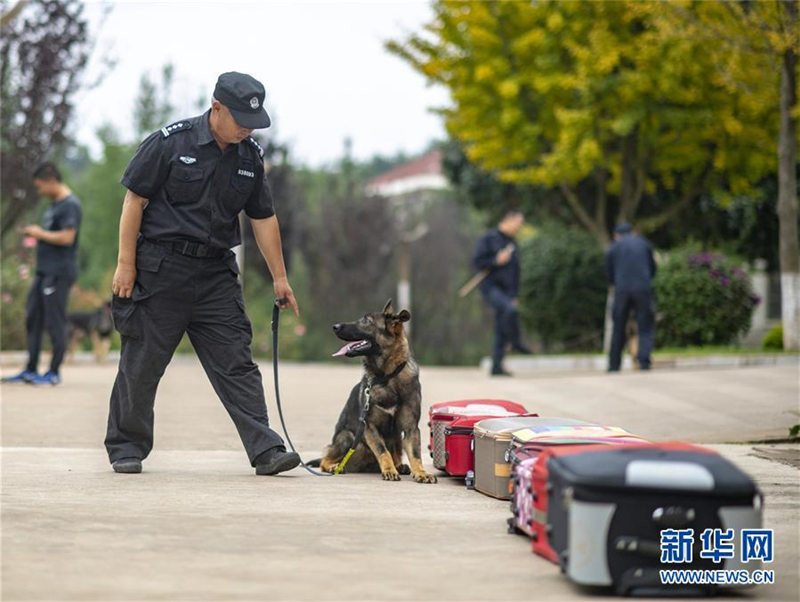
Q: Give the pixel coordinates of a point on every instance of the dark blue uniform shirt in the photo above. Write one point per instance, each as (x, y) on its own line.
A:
(60, 260)
(629, 263)
(505, 277)
(196, 191)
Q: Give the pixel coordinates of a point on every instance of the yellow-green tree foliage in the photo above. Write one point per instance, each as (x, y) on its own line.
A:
(608, 102)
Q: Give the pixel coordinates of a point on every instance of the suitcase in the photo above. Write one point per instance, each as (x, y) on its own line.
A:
(492, 439)
(459, 446)
(442, 413)
(527, 444)
(574, 434)
(608, 508)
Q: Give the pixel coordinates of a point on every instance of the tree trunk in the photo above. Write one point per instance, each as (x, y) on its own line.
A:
(789, 247)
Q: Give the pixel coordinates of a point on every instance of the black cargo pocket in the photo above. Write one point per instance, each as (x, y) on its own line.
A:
(123, 314)
(185, 184)
(147, 277)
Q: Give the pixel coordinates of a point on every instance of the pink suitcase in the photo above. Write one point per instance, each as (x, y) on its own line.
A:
(526, 446)
(443, 413)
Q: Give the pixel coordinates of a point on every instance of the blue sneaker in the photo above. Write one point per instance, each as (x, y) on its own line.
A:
(48, 378)
(25, 376)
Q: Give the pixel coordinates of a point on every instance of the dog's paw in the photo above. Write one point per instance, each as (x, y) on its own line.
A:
(404, 469)
(391, 475)
(425, 477)
(328, 466)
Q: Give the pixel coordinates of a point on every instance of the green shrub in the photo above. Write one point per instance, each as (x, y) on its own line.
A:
(773, 340)
(563, 289)
(17, 277)
(703, 298)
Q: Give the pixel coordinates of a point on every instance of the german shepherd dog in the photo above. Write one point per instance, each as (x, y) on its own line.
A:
(391, 381)
(97, 325)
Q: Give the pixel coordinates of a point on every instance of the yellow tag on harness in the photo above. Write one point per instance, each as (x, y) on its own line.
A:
(340, 466)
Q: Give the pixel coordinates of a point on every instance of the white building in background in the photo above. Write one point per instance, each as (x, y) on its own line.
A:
(414, 178)
(409, 188)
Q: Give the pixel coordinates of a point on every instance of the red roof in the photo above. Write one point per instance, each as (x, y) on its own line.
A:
(429, 163)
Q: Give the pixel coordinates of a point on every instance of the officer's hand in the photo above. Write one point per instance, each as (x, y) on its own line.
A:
(124, 278)
(284, 291)
(503, 256)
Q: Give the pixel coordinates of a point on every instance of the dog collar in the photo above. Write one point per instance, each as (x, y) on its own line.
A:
(385, 378)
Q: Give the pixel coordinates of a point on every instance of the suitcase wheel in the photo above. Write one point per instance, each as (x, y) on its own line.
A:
(512, 527)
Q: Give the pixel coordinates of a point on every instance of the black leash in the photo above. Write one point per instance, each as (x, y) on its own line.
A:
(276, 311)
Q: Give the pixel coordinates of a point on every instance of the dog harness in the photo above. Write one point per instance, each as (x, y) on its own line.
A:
(366, 392)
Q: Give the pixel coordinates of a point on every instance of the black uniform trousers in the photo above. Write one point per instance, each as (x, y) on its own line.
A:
(176, 294)
(46, 309)
(641, 302)
(506, 322)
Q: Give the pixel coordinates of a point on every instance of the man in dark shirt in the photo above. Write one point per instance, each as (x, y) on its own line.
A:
(176, 274)
(496, 253)
(630, 268)
(56, 271)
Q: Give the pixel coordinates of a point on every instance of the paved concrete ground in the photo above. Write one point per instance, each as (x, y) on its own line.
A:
(198, 525)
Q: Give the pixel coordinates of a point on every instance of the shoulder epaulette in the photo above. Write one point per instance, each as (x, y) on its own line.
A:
(257, 146)
(178, 126)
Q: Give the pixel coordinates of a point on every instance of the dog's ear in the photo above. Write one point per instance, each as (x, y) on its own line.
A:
(388, 309)
(404, 316)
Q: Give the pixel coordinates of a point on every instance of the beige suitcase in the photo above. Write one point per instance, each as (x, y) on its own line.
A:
(492, 440)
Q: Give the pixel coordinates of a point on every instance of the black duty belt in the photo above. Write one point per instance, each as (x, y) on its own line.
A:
(190, 247)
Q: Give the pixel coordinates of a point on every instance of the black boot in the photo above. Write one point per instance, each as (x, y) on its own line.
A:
(127, 465)
(276, 460)
(500, 371)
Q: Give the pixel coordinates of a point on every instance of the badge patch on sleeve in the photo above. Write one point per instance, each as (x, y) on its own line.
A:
(244, 172)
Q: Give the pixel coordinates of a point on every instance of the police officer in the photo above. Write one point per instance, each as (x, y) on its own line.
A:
(496, 253)
(630, 268)
(56, 271)
(176, 274)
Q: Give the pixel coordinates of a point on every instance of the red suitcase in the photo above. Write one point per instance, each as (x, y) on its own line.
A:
(459, 451)
(523, 457)
(541, 488)
(443, 413)
(541, 543)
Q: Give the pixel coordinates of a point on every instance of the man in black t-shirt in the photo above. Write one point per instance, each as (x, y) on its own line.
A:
(56, 271)
(176, 273)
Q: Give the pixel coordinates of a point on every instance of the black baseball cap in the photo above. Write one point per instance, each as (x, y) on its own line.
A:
(623, 228)
(244, 97)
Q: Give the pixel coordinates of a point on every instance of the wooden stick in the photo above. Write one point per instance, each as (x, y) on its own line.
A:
(479, 277)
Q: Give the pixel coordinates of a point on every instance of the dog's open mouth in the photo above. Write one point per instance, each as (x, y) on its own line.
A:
(353, 348)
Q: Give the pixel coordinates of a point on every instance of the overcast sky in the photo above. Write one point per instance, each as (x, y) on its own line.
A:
(323, 64)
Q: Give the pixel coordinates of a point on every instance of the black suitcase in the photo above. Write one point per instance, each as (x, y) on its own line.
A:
(607, 510)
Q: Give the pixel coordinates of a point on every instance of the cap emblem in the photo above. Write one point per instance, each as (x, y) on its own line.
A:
(254, 103)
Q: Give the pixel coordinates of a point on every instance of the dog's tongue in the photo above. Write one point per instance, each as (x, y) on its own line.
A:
(346, 348)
